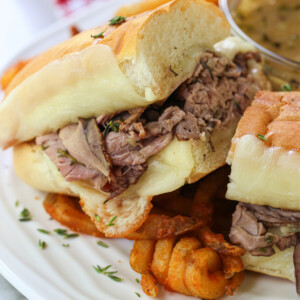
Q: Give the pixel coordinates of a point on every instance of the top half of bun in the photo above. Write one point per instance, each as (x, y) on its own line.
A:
(136, 63)
(265, 152)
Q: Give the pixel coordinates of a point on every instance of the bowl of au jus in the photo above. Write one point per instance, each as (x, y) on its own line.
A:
(273, 27)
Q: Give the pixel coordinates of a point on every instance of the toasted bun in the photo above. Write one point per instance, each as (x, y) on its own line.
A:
(280, 264)
(267, 172)
(145, 5)
(78, 78)
(168, 170)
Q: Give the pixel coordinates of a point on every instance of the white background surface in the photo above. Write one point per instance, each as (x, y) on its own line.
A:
(67, 273)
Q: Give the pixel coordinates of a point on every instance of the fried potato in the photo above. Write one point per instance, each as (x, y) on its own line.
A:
(11, 72)
(67, 211)
(161, 259)
(231, 265)
(203, 275)
(217, 242)
(149, 284)
(159, 227)
(234, 282)
(209, 187)
(141, 255)
(177, 264)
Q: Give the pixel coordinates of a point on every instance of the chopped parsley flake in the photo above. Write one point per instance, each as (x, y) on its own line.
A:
(99, 35)
(138, 294)
(286, 88)
(117, 20)
(102, 244)
(111, 222)
(25, 215)
(44, 231)
(42, 244)
(262, 137)
(269, 240)
(262, 250)
(109, 274)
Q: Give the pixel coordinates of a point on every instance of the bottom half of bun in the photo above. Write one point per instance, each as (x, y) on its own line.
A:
(280, 264)
(179, 163)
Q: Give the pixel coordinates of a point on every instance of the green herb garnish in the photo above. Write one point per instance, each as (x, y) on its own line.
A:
(262, 137)
(111, 126)
(237, 106)
(25, 215)
(117, 20)
(43, 147)
(262, 250)
(138, 294)
(269, 240)
(102, 244)
(66, 245)
(42, 244)
(109, 274)
(60, 231)
(67, 154)
(137, 280)
(71, 236)
(65, 233)
(111, 222)
(43, 231)
(97, 217)
(286, 87)
(99, 35)
(207, 67)
(17, 203)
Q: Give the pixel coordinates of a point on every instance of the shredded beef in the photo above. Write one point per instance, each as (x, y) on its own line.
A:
(250, 224)
(111, 152)
(217, 91)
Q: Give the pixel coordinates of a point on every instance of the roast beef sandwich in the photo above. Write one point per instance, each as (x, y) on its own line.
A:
(265, 178)
(129, 110)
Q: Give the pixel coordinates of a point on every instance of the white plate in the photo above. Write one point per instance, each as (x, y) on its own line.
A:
(67, 273)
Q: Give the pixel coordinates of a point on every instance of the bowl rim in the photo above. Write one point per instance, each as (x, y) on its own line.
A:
(223, 4)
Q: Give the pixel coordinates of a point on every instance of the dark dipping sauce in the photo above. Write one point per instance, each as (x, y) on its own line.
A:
(274, 24)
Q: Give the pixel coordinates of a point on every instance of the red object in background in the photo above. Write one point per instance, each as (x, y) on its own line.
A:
(68, 7)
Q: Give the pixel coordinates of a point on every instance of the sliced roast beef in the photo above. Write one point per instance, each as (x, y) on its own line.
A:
(68, 166)
(267, 251)
(244, 219)
(274, 216)
(250, 242)
(286, 242)
(112, 151)
(74, 137)
(250, 225)
(217, 91)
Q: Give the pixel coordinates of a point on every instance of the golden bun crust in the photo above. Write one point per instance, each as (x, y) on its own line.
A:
(78, 78)
(280, 264)
(276, 115)
(266, 172)
(145, 5)
(178, 163)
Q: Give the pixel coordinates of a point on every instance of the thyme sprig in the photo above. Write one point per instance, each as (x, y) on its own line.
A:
(66, 153)
(109, 274)
(117, 20)
(25, 215)
(111, 221)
